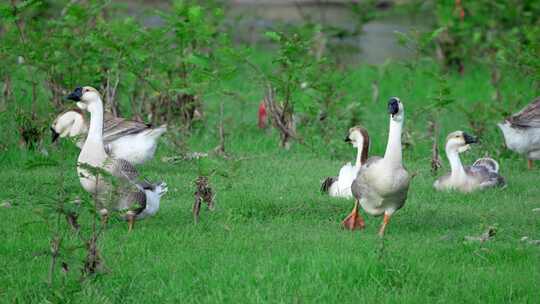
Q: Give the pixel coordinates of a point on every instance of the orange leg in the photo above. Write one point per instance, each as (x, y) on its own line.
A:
(354, 221)
(131, 221)
(386, 220)
(530, 164)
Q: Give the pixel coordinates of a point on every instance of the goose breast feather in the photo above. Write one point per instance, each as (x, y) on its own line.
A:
(381, 189)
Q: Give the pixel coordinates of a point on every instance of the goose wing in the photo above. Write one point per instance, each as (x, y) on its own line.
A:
(347, 175)
(127, 172)
(131, 187)
(132, 199)
(115, 127)
(529, 117)
(485, 177)
(487, 162)
(359, 185)
(340, 186)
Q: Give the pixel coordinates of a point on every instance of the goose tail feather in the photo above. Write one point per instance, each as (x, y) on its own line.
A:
(327, 183)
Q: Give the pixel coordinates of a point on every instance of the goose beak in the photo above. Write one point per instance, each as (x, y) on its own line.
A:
(75, 95)
(54, 135)
(469, 139)
(393, 106)
(347, 139)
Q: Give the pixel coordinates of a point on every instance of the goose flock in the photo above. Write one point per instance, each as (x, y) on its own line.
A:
(378, 185)
(137, 198)
(131, 140)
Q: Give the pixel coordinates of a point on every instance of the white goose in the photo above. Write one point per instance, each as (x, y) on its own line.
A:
(132, 192)
(131, 140)
(522, 132)
(69, 124)
(340, 186)
(382, 183)
(484, 173)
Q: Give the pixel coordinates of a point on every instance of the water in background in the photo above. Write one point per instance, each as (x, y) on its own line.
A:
(250, 19)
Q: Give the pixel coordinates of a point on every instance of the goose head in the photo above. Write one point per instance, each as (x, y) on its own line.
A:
(459, 141)
(86, 97)
(358, 136)
(395, 109)
(70, 123)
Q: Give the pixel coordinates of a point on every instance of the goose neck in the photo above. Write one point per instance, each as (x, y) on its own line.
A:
(362, 151)
(393, 152)
(456, 167)
(95, 131)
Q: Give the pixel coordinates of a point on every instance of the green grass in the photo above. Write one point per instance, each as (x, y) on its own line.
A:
(273, 237)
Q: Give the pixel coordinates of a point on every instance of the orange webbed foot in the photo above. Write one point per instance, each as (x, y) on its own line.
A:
(354, 221)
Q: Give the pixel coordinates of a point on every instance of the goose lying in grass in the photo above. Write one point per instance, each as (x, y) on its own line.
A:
(484, 173)
(141, 196)
(133, 141)
(382, 183)
(522, 132)
(340, 186)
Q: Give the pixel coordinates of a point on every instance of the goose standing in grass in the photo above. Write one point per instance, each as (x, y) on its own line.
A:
(382, 183)
(484, 173)
(140, 196)
(131, 140)
(340, 186)
(521, 132)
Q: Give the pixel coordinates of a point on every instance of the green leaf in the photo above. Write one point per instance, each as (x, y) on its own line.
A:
(437, 32)
(273, 36)
(195, 13)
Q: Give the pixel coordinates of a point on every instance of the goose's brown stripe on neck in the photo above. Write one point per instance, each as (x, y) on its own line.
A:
(365, 144)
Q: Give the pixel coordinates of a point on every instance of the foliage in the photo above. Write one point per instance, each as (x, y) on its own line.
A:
(484, 29)
(305, 87)
(157, 73)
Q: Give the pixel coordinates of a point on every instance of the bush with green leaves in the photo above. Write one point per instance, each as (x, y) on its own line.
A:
(151, 73)
(301, 86)
(485, 29)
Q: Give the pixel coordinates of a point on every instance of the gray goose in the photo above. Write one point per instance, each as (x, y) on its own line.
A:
(521, 132)
(382, 184)
(484, 173)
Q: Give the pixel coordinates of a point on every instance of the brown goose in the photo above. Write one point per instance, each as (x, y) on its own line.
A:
(340, 186)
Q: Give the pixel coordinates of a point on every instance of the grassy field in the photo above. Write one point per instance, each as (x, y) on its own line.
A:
(274, 238)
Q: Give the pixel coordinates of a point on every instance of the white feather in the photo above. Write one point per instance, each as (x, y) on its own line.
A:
(522, 141)
(342, 187)
(153, 199)
(137, 148)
